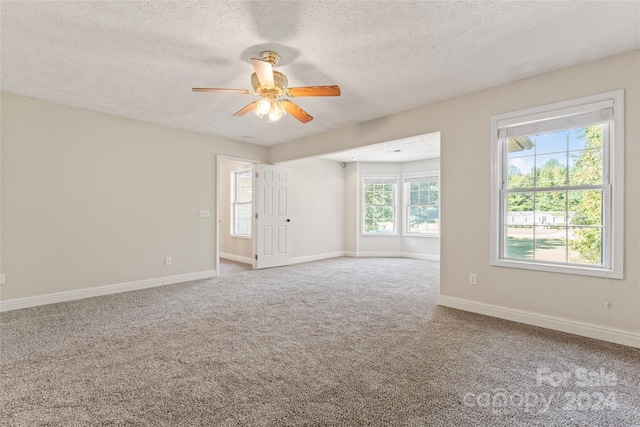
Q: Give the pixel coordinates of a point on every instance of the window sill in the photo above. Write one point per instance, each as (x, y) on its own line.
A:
(563, 269)
(241, 236)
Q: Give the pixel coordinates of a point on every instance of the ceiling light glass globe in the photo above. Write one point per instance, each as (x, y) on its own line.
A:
(275, 115)
(276, 111)
(264, 106)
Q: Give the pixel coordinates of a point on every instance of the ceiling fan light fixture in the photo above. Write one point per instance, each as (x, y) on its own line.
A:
(276, 112)
(271, 85)
(263, 107)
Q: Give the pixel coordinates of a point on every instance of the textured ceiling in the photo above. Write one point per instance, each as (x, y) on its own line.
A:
(418, 147)
(140, 59)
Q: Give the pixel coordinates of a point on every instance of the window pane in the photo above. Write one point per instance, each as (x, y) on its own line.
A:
(414, 196)
(370, 194)
(423, 219)
(520, 172)
(585, 207)
(388, 194)
(423, 195)
(243, 227)
(243, 186)
(242, 219)
(519, 242)
(551, 142)
(520, 146)
(551, 244)
(244, 194)
(588, 137)
(378, 219)
(585, 246)
(585, 167)
(550, 205)
(577, 139)
(378, 194)
(520, 209)
(433, 193)
(551, 170)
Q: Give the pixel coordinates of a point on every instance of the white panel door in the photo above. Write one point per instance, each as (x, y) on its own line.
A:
(273, 236)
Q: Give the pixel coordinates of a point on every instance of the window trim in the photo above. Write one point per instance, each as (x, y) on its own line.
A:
(233, 198)
(613, 160)
(364, 205)
(406, 204)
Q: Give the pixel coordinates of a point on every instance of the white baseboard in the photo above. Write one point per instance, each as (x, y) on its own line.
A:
(391, 255)
(300, 259)
(378, 254)
(238, 258)
(421, 256)
(590, 330)
(17, 303)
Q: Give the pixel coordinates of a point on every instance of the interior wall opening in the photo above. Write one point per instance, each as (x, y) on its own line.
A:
(235, 211)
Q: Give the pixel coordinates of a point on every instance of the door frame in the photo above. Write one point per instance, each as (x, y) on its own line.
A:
(219, 159)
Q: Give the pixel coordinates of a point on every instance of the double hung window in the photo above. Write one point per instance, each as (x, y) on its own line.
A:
(557, 196)
(241, 203)
(379, 202)
(422, 204)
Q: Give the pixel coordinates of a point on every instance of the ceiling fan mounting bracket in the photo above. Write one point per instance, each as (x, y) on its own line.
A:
(270, 56)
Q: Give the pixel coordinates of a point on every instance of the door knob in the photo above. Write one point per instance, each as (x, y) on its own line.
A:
(288, 220)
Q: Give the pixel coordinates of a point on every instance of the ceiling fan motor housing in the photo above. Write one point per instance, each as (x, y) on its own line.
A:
(279, 88)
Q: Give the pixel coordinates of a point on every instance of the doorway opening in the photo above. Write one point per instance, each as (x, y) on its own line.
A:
(235, 197)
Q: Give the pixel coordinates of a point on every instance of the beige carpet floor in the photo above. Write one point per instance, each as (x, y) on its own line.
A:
(341, 342)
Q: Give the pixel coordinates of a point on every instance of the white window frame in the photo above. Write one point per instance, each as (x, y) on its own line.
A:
(368, 178)
(406, 178)
(234, 203)
(613, 199)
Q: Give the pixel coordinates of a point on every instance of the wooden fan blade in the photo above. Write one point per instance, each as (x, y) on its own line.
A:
(246, 109)
(264, 71)
(215, 89)
(296, 111)
(315, 91)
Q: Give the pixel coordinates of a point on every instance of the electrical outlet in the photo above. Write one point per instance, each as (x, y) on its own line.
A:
(204, 213)
(472, 278)
(167, 261)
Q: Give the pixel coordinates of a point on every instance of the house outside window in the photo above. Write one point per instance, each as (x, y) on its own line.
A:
(557, 187)
(241, 207)
(422, 204)
(379, 204)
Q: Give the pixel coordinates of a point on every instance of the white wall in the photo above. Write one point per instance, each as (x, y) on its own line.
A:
(236, 248)
(351, 207)
(464, 123)
(90, 199)
(317, 209)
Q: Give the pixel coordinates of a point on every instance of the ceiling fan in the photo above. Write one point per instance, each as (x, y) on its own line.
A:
(271, 86)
